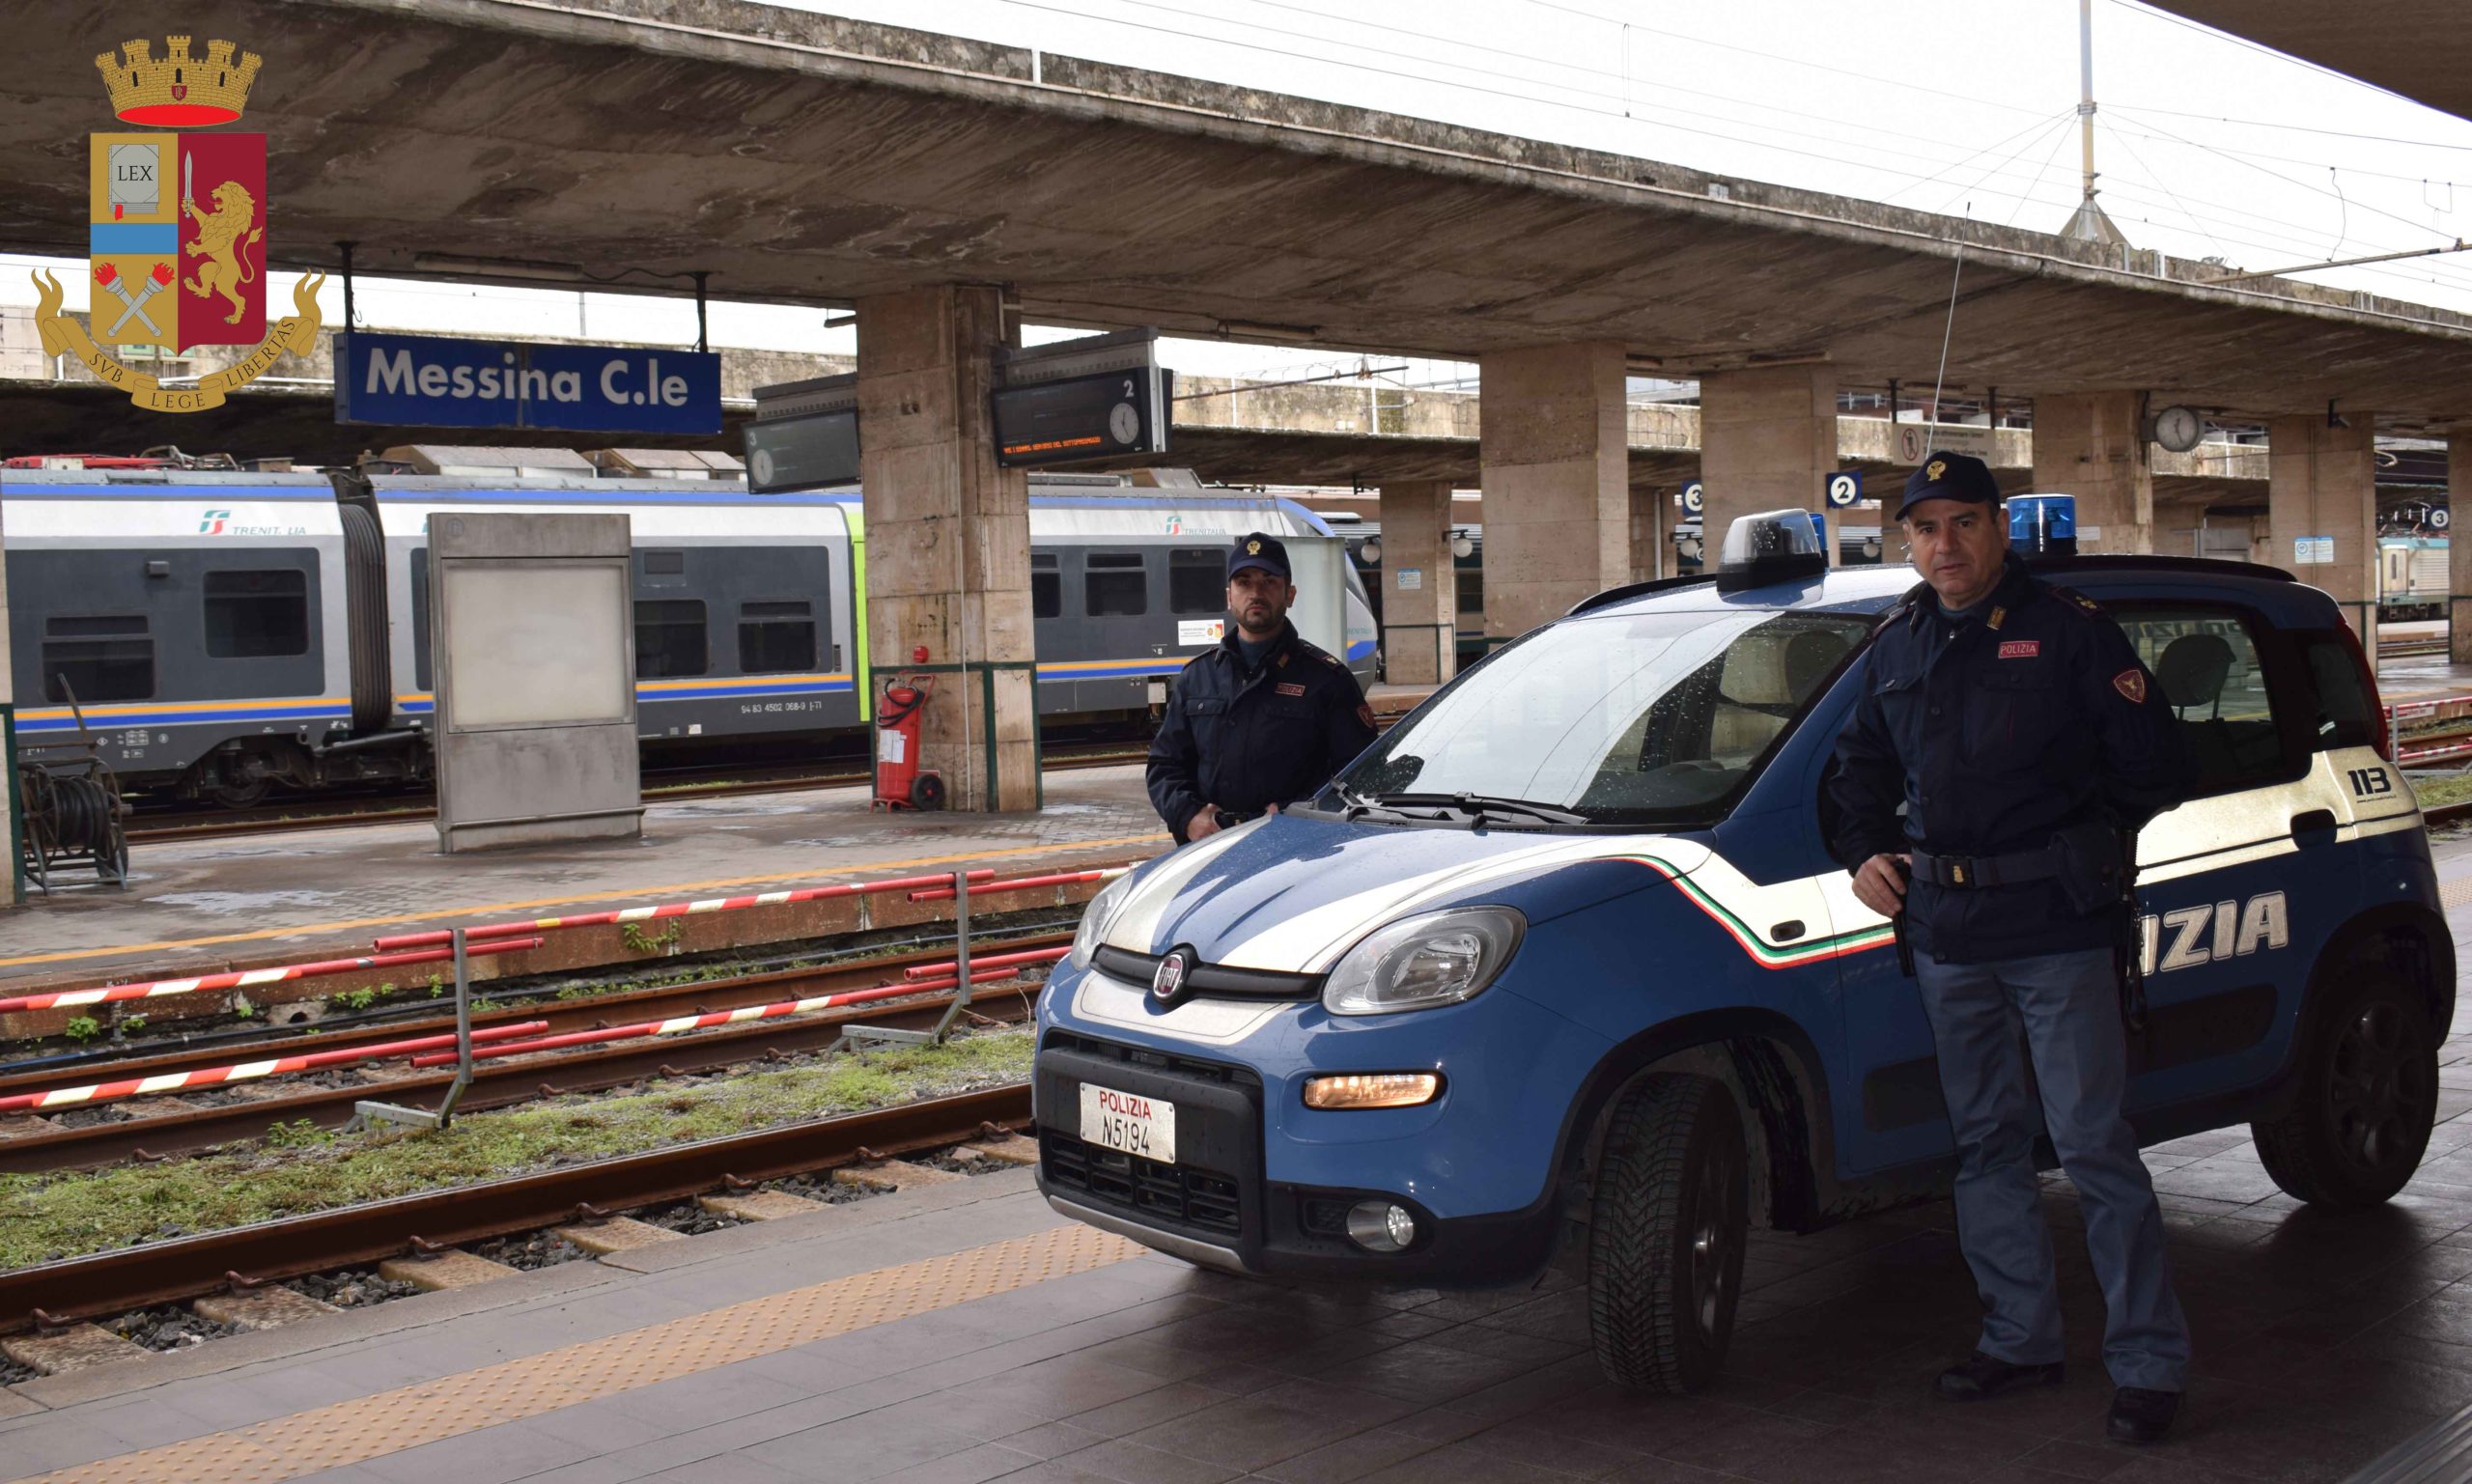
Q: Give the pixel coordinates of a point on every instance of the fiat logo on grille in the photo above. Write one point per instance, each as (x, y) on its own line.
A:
(1168, 983)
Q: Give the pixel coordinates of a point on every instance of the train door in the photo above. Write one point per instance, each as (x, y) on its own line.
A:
(1117, 627)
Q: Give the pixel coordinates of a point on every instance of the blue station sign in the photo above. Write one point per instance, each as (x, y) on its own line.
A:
(436, 381)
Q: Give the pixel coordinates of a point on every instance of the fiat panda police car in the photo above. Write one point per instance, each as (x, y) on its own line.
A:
(1558, 968)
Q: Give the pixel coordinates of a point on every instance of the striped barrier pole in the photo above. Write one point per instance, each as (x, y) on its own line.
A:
(944, 892)
(248, 1070)
(680, 1024)
(668, 909)
(952, 967)
(242, 979)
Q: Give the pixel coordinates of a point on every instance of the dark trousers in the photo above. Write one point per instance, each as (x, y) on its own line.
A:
(2067, 1007)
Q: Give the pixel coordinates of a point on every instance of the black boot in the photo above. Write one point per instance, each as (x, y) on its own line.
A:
(2140, 1416)
(1979, 1377)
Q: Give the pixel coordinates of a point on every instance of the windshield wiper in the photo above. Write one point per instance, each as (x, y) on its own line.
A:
(1481, 805)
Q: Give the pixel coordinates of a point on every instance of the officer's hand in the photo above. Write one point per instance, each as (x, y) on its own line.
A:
(1270, 809)
(1203, 824)
(1879, 886)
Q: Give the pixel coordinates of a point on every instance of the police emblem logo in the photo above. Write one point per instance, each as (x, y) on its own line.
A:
(2132, 685)
(177, 230)
(1253, 549)
(1168, 981)
(1935, 468)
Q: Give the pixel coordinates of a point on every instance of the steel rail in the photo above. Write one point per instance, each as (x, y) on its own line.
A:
(563, 1016)
(495, 1085)
(114, 1282)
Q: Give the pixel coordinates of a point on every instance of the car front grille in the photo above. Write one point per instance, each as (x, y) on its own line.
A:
(1176, 1194)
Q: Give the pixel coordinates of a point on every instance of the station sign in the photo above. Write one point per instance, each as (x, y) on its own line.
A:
(1695, 497)
(805, 436)
(1843, 488)
(443, 381)
(1909, 444)
(1097, 396)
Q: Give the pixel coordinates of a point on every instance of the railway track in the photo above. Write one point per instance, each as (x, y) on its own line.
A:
(149, 829)
(108, 1283)
(157, 1130)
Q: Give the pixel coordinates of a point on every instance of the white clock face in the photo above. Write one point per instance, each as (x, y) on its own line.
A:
(1125, 423)
(2178, 429)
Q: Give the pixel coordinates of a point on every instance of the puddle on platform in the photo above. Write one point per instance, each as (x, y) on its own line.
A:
(226, 903)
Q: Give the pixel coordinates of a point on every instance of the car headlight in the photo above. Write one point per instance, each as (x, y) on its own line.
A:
(1418, 962)
(1096, 918)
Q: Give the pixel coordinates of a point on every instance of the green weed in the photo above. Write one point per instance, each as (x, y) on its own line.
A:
(84, 1027)
(299, 1169)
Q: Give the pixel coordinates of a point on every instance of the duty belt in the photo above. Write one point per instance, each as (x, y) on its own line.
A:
(1971, 871)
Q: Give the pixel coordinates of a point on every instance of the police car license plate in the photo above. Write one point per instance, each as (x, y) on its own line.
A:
(1129, 1122)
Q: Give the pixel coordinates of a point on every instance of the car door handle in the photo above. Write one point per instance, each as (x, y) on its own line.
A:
(2312, 821)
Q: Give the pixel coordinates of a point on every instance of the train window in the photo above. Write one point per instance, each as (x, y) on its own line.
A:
(252, 615)
(664, 564)
(776, 637)
(1114, 585)
(1472, 591)
(1196, 581)
(1046, 586)
(103, 658)
(669, 637)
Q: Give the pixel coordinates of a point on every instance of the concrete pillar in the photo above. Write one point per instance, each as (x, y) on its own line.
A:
(2458, 550)
(1767, 441)
(1557, 476)
(948, 537)
(2092, 445)
(1652, 513)
(2321, 487)
(1419, 586)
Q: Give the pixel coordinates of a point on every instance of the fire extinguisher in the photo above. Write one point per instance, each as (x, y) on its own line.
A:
(900, 784)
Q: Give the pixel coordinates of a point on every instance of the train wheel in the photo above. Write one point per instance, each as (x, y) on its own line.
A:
(241, 796)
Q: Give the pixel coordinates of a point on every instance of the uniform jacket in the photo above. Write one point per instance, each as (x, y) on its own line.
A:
(2033, 717)
(1247, 741)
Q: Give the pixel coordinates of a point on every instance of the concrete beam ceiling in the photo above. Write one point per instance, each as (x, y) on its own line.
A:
(803, 158)
(2419, 48)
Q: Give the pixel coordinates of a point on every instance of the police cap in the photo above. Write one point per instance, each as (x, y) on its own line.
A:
(1943, 476)
(1256, 548)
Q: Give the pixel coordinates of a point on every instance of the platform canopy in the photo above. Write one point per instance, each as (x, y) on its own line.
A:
(807, 160)
(2419, 48)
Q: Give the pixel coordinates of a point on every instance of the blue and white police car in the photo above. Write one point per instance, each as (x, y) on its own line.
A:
(1560, 970)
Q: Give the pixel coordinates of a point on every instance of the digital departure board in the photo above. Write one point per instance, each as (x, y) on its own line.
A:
(805, 436)
(1097, 396)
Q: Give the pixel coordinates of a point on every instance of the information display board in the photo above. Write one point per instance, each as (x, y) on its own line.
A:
(1101, 395)
(805, 436)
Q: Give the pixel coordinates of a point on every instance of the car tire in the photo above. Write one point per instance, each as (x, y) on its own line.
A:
(2360, 1118)
(1667, 1225)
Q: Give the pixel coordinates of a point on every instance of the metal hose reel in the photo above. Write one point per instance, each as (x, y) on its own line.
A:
(73, 811)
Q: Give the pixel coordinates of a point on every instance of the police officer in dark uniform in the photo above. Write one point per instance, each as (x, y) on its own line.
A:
(1260, 720)
(2013, 721)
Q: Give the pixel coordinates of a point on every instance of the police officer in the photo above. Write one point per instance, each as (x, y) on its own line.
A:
(2013, 721)
(1263, 719)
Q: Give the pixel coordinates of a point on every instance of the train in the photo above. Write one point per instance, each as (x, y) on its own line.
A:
(225, 633)
(2412, 580)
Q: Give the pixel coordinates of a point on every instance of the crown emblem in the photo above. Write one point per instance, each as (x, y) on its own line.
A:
(1253, 549)
(180, 90)
(1935, 468)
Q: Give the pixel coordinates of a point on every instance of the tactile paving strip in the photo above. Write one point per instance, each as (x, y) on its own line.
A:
(373, 1426)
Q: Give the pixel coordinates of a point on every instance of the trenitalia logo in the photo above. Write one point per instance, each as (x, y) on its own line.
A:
(211, 523)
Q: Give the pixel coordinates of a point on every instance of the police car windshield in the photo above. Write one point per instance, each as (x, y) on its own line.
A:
(1654, 718)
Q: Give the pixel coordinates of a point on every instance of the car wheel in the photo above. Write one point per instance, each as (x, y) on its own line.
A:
(1668, 1226)
(2368, 1095)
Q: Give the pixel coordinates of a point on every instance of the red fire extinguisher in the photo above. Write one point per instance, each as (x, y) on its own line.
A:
(900, 784)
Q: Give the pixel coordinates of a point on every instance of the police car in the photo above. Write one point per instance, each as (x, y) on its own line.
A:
(1558, 969)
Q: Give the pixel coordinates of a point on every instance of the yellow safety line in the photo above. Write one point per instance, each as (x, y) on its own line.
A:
(368, 1427)
(500, 908)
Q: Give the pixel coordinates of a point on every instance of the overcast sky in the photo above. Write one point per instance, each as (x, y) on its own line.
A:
(2208, 146)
